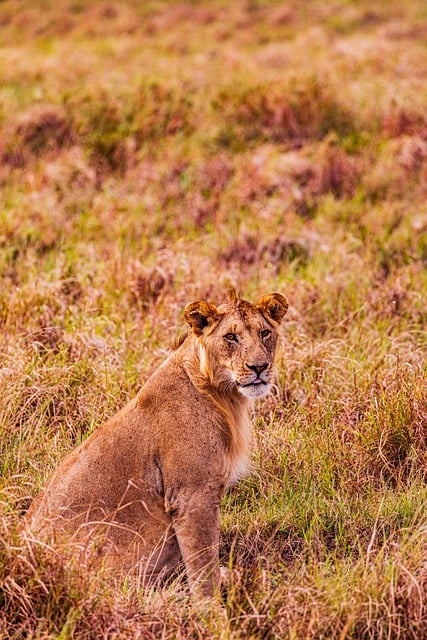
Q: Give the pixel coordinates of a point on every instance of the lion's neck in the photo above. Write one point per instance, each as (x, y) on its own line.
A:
(230, 409)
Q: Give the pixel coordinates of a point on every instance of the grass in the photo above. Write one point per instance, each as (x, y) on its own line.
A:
(154, 153)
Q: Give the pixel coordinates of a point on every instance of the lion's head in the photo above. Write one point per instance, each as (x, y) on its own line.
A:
(237, 341)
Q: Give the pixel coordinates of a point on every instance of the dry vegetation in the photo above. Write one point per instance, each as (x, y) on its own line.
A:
(152, 153)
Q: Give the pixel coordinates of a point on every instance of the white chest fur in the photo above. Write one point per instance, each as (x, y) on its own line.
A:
(239, 464)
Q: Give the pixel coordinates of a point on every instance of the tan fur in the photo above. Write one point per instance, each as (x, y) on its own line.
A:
(145, 488)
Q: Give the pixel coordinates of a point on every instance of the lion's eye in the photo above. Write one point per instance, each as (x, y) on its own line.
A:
(265, 333)
(231, 337)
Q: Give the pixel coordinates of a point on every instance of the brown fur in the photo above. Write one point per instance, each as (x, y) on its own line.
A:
(146, 486)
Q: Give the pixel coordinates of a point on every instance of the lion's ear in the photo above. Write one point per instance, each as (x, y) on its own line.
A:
(274, 306)
(199, 315)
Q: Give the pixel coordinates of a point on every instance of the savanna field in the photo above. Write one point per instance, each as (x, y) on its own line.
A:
(153, 153)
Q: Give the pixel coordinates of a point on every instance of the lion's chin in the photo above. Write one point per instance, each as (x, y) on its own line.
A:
(254, 391)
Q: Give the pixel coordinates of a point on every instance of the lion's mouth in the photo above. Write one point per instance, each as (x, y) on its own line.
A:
(257, 388)
(252, 383)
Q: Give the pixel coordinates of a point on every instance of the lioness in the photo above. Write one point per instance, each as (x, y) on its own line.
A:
(147, 485)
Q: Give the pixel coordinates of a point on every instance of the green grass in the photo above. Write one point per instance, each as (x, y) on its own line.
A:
(155, 153)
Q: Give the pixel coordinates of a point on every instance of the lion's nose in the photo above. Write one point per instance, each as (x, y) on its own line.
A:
(258, 368)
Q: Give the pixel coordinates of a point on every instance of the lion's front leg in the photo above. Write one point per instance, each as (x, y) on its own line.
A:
(195, 519)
